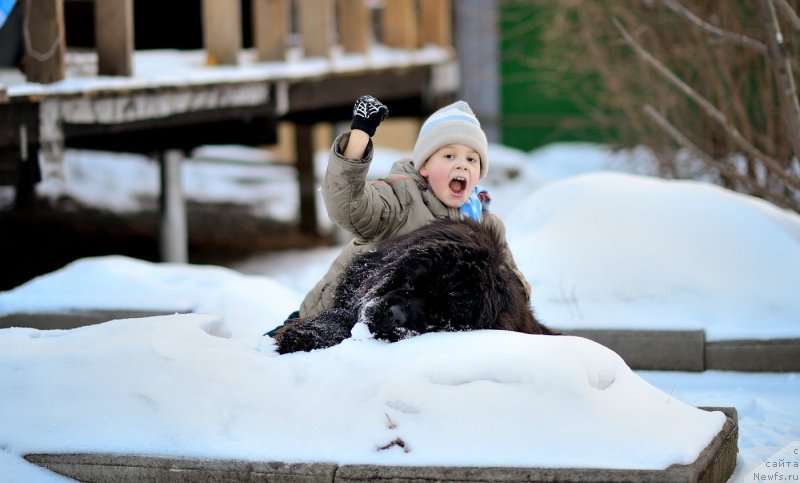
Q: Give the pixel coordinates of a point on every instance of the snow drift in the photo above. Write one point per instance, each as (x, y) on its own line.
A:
(622, 251)
(181, 386)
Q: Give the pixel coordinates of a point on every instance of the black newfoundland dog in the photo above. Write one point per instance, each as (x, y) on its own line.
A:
(446, 276)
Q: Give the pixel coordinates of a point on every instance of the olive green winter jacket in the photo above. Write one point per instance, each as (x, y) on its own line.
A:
(375, 212)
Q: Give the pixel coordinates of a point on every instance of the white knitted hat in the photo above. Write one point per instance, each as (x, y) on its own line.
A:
(453, 124)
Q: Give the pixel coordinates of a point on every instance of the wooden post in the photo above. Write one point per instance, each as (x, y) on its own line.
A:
(222, 31)
(354, 25)
(28, 169)
(478, 73)
(304, 149)
(400, 24)
(113, 29)
(316, 27)
(43, 33)
(173, 232)
(270, 28)
(435, 23)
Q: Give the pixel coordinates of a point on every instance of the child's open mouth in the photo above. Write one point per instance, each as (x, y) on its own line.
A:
(458, 185)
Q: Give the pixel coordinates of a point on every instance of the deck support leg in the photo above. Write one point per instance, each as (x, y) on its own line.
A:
(304, 149)
(173, 226)
(28, 171)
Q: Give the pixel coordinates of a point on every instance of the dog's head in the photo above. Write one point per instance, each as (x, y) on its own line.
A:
(446, 278)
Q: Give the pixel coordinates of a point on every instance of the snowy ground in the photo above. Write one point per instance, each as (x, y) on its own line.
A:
(601, 250)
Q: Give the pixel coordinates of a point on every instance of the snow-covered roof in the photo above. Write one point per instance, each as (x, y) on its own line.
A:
(174, 68)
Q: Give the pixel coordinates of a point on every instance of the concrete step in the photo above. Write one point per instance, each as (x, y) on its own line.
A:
(71, 319)
(690, 351)
(652, 349)
(715, 463)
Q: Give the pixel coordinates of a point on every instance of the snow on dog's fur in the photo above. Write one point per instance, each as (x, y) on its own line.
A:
(446, 276)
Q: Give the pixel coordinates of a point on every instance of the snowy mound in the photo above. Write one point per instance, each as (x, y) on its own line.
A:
(250, 305)
(623, 251)
(179, 385)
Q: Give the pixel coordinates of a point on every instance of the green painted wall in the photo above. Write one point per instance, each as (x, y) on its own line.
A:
(538, 102)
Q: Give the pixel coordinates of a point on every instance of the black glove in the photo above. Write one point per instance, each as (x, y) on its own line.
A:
(368, 113)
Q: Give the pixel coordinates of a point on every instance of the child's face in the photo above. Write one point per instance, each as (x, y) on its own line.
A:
(452, 172)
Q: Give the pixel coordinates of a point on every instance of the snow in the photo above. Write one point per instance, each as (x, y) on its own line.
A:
(623, 251)
(167, 67)
(138, 377)
(602, 249)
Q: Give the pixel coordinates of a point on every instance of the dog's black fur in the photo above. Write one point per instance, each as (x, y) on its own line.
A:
(446, 276)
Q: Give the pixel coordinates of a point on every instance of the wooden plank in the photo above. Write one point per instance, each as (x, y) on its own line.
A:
(222, 31)
(354, 25)
(435, 23)
(270, 28)
(400, 24)
(340, 91)
(43, 30)
(113, 28)
(235, 125)
(316, 27)
(304, 147)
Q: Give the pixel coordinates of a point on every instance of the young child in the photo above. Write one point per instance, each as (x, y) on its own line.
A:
(439, 181)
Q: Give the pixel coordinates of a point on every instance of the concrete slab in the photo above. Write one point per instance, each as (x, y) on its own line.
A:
(136, 469)
(778, 355)
(652, 349)
(72, 319)
(715, 463)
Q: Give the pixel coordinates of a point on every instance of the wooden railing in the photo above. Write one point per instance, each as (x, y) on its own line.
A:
(320, 25)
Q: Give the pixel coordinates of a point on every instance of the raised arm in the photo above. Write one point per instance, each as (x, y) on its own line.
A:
(368, 113)
(352, 203)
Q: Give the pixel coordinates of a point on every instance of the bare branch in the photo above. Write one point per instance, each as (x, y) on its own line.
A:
(736, 38)
(790, 14)
(784, 80)
(752, 185)
(709, 109)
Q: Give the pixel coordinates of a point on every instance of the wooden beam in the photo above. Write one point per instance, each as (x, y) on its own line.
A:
(222, 31)
(174, 238)
(400, 24)
(43, 31)
(435, 23)
(113, 28)
(270, 28)
(304, 149)
(316, 27)
(354, 25)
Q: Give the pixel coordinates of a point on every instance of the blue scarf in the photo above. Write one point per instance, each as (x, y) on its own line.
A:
(477, 204)
(5, 10)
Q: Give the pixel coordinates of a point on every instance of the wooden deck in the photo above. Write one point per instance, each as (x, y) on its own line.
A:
(167, 102)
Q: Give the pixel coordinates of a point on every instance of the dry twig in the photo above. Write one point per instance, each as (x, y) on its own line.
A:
(784, 79)
(775, 168)
(396, 442)
(790, 14)
(390, 423)
(734, 37)
(752, 185)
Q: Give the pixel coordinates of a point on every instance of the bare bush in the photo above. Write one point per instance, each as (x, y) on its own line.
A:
(708, 85)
